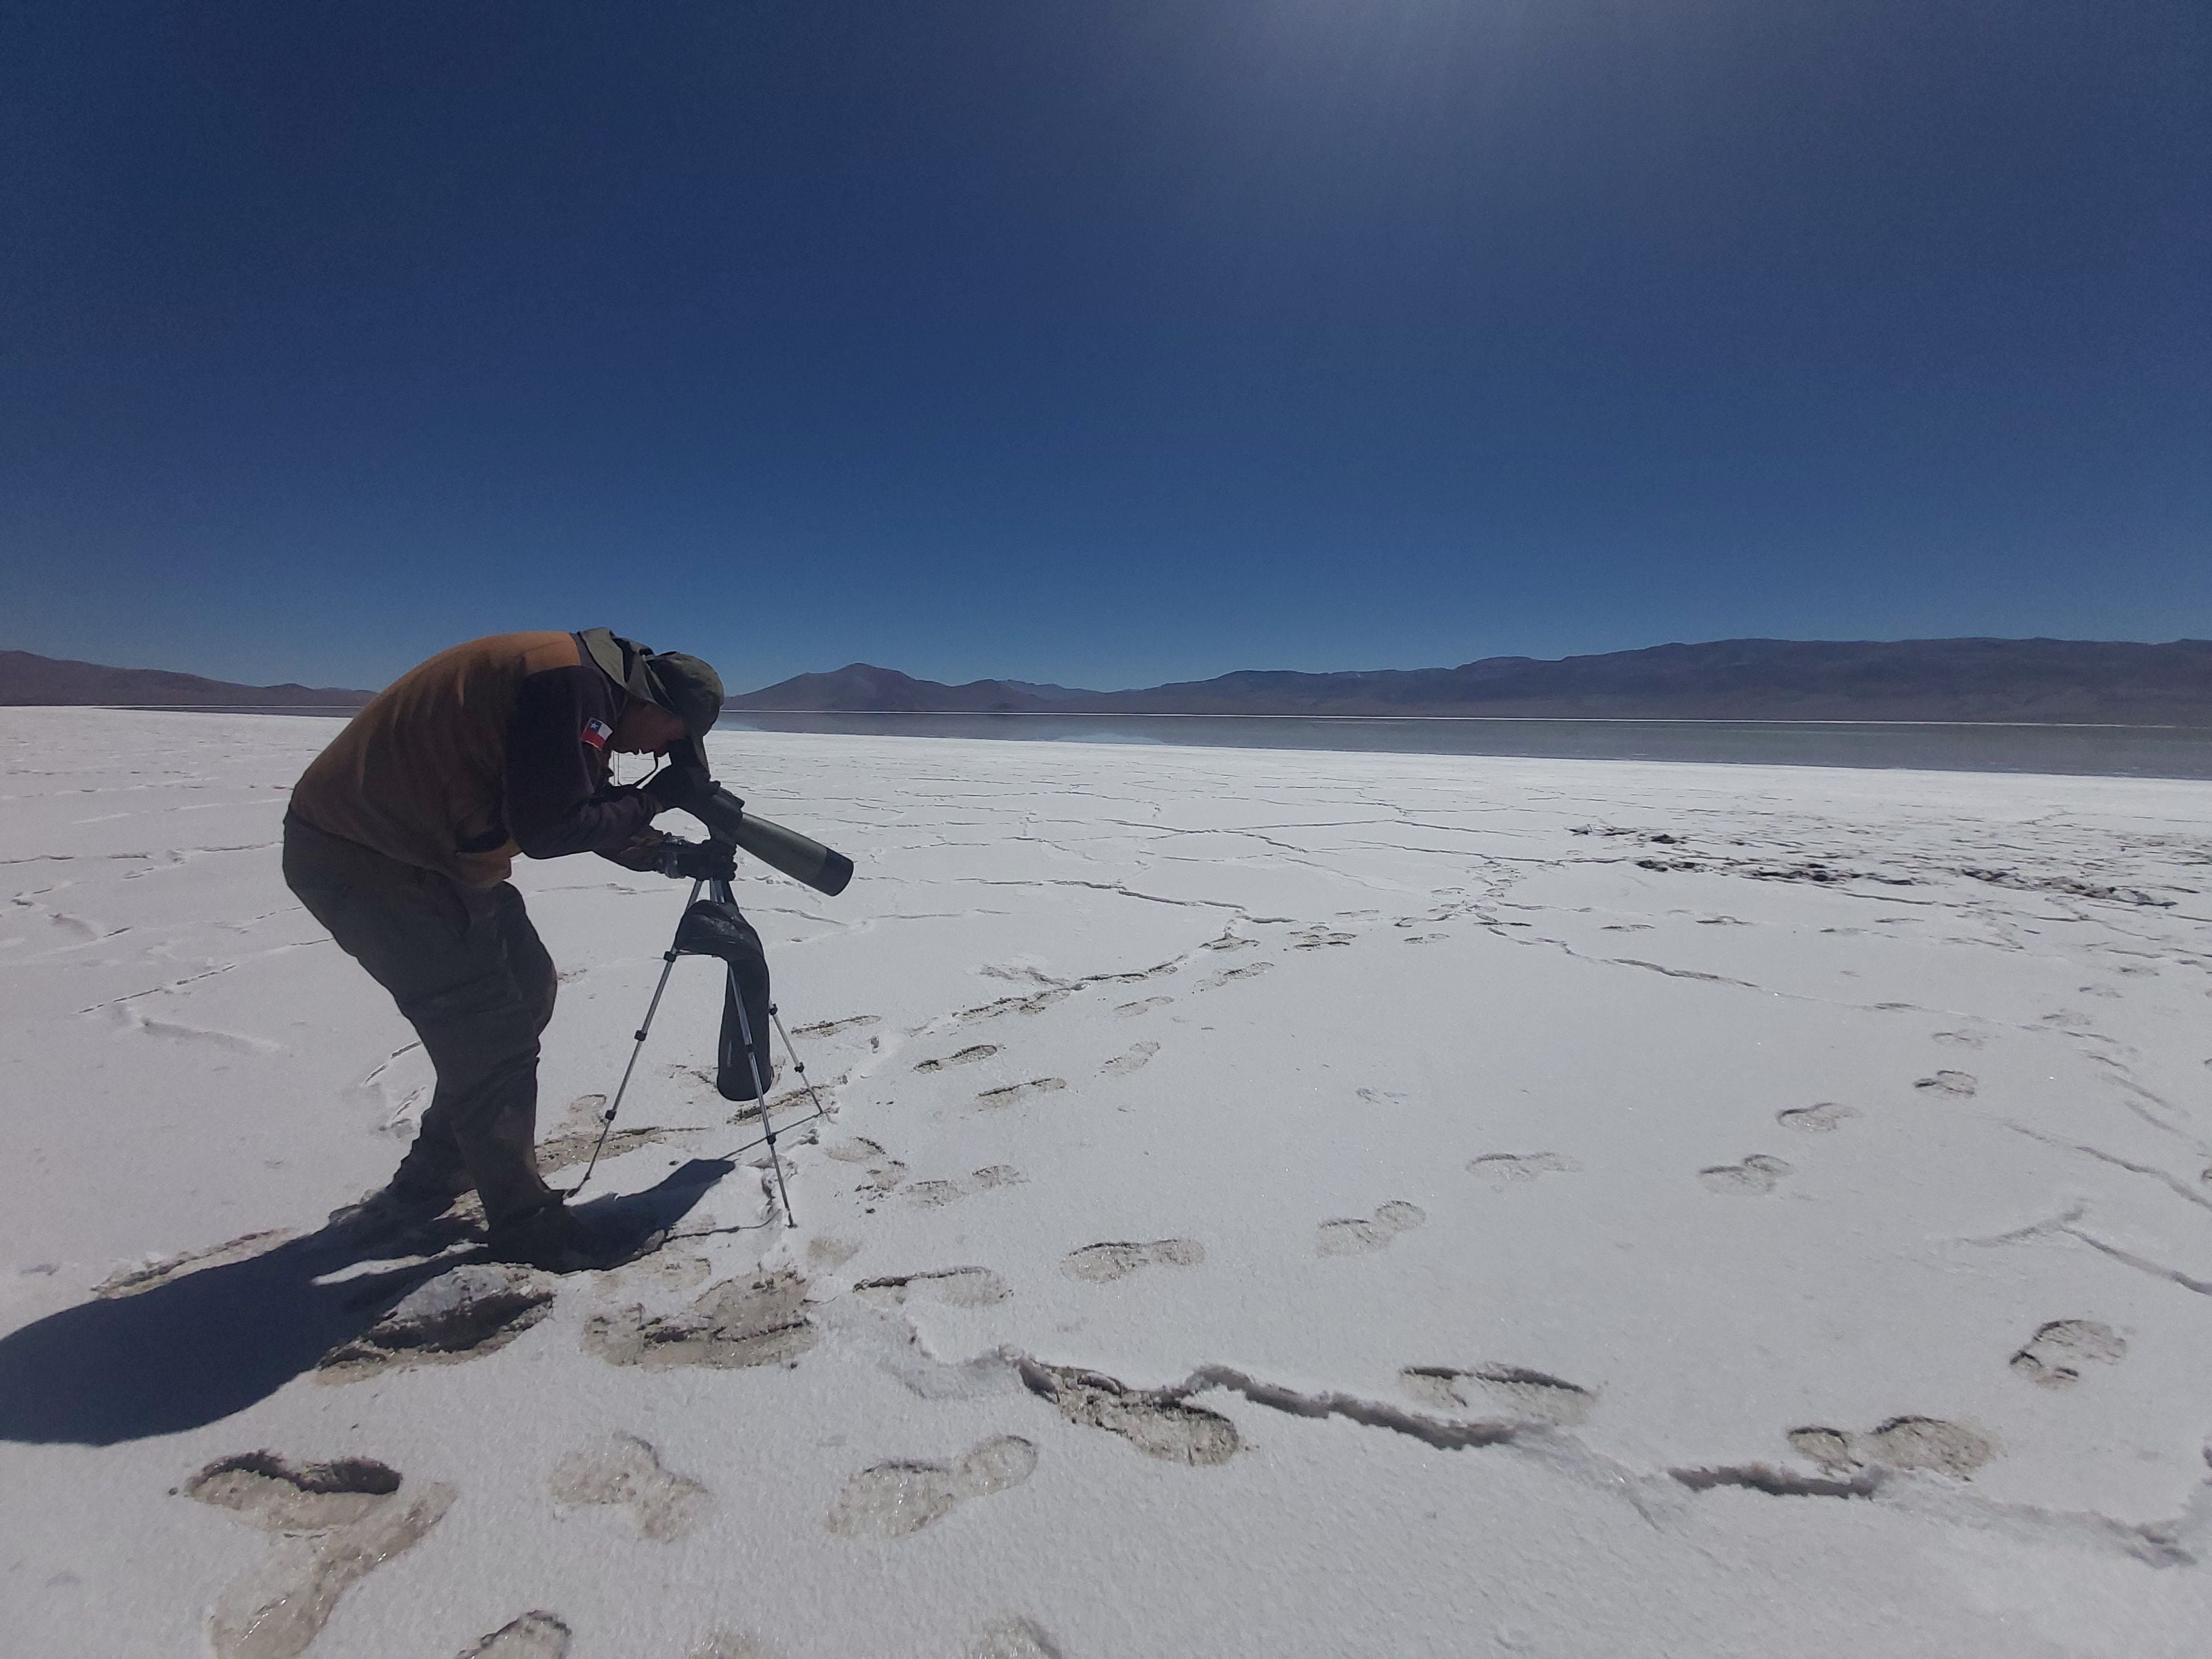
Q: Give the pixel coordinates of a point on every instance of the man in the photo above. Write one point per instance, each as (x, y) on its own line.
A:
(399, 840)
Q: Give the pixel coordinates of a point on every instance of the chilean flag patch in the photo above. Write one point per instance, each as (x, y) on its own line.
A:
(595, 733)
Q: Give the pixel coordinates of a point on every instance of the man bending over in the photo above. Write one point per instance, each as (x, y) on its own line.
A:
(400, 838)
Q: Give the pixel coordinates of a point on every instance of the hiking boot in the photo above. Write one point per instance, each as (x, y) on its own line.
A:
(397, 1207)
(560, 1240)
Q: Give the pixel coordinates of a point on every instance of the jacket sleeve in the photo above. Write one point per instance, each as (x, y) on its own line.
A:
(556, 803)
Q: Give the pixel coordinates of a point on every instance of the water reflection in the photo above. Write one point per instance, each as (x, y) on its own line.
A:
(2079, 750)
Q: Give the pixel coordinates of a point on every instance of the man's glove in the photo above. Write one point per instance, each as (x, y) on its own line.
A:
(675, 788)
(696, 860)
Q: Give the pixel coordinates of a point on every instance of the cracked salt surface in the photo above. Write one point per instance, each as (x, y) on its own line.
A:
(1564, 1294)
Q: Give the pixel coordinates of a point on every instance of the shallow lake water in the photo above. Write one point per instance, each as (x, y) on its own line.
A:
(2081, 751)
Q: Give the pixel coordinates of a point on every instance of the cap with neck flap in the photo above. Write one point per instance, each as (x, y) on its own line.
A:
(686, 687)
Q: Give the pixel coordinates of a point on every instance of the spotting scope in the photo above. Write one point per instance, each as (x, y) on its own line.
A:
(726, 819)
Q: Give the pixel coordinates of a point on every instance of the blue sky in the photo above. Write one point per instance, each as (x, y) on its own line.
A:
(1106, 343)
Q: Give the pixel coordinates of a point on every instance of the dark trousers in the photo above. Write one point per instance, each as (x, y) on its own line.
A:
(468, 971)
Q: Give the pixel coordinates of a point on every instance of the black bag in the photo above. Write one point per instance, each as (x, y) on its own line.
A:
(713, 929)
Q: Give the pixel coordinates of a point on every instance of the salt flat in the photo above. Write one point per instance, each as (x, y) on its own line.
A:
(1274, 1204)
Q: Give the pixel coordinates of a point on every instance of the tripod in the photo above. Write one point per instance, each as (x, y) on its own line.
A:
(759, 1065)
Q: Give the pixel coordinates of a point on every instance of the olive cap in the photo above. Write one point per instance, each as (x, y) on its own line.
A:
(686, 687)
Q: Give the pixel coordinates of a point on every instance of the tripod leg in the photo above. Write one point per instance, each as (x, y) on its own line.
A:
(755, 1059)
(637, 1048)
(797, 1064)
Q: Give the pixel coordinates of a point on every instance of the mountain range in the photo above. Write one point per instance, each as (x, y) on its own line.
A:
(27, 678)
(2077, 681)
(1967, 679)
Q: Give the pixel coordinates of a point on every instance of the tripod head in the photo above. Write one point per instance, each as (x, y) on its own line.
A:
(798, 856)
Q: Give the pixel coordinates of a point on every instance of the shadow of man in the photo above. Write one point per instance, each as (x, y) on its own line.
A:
(197, 1348)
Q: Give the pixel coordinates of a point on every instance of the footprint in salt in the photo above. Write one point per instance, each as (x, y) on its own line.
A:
(264, 1490)
(1102, 1264)
(1527, 1395)
(1902, 1443)
(935, 1195)
(1157, 1422)
(1756, 1174)
(565, 1152)
(1249, 971)
(626, 1472)
(337, 1522)
(1356, 1236)
(474, 1310)
(663, 1270)
(1818, 1119)
(968, 1056)
(1512, 1169)
(761, 1320)
(832, 1027)
(953, 1287)
(1009, 1093)
(1959, 1085)
(880, 1172)
(1014, 1639)
(2054, 1356)
(1131, 1010)
(536, 1635)
(1136, 1059)
(897, 1499)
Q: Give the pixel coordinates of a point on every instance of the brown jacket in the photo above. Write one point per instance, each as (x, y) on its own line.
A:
(491, 749)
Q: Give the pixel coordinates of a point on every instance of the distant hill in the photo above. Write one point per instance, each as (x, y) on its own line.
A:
(1048, 693)
(885, 690)
(2077, 681)
(26, 678)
